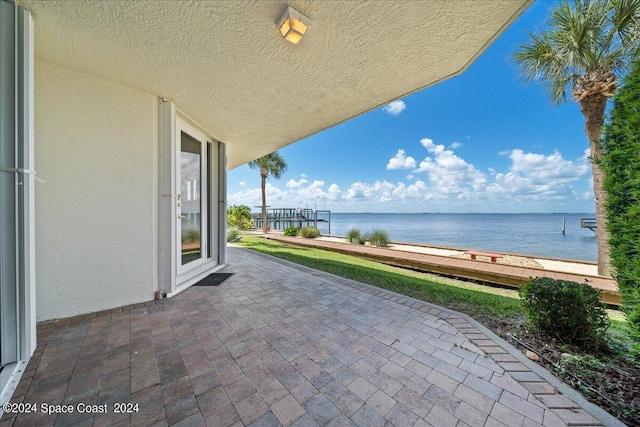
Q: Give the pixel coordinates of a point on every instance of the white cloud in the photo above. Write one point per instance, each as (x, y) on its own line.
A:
(395, 108)
(358, 191)
(253, 196)
(454, 145)
(292, 183)
(242, 183)
(401, 161)
(538, 177)
(449, 172)
(384, 191)
(313, 191)
(334, 193)
(541, 169)
(378, 192)
(296, 193)
(445, 182)
(418, 190)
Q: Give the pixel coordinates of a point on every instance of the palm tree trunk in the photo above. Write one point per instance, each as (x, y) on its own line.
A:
(264, 203)
(593, 108)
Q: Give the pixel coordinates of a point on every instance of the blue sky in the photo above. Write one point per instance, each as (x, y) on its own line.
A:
(484, 141)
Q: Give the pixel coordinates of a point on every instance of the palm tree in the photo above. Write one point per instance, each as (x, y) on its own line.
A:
(588, 46)
(270, 165)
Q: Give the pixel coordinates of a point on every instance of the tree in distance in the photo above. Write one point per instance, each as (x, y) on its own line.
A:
(270, 165)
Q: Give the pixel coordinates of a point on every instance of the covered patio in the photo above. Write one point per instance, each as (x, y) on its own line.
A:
(130, 115)
(281, 344)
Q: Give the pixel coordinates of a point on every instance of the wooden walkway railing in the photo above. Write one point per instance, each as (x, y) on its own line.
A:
(500, 274)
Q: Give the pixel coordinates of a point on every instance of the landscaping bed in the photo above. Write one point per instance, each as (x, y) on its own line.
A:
(607, 375)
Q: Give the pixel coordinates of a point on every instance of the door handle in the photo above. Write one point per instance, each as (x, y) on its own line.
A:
(181, 216)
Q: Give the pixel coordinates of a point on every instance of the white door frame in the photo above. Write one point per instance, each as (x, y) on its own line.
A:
(17, 174)
(173, 278)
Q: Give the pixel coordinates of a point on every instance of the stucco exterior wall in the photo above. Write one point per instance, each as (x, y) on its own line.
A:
(96, 146)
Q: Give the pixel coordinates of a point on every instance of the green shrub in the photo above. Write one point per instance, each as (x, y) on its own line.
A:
(191, 235)
(566, 310)
(239, 216)
(621, 163)
(309, 232)
(233, 235)
(354, 237)
(291, 231)
(378, 238)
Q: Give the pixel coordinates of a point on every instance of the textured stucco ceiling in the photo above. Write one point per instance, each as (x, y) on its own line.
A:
(225, 64)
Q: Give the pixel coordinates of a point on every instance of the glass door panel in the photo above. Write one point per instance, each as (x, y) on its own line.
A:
(190, 200)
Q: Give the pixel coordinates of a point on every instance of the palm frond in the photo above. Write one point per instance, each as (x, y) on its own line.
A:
(540, 62)
(558, 89)
(582, 37)
(272, 163)
(626, 20)
(535, 57)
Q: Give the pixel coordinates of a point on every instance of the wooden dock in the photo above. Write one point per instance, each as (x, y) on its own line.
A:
(488, 272)
(281, 218)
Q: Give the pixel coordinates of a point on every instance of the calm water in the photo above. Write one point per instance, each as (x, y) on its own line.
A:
(535, 234)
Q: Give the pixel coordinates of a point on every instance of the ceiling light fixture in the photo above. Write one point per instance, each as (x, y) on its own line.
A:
(293, 25)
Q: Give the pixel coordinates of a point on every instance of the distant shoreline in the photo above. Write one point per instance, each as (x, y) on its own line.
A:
(464, 213)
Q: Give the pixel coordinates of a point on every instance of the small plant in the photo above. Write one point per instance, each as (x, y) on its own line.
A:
(566, 310)
(355, 237)
(239, 216)
(378, 238)
(291, 231)
(309, 232)
(233, 234)
(191, 235)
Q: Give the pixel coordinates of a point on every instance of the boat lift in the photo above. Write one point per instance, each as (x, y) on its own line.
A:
(589, 223)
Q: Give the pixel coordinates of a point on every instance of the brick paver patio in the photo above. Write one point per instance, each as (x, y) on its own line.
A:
(279, 344)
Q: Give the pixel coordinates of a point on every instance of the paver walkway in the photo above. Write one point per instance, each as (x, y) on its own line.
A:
(280, 344)
(489, 272)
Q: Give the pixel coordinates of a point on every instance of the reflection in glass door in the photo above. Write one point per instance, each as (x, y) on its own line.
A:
(190, 206)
